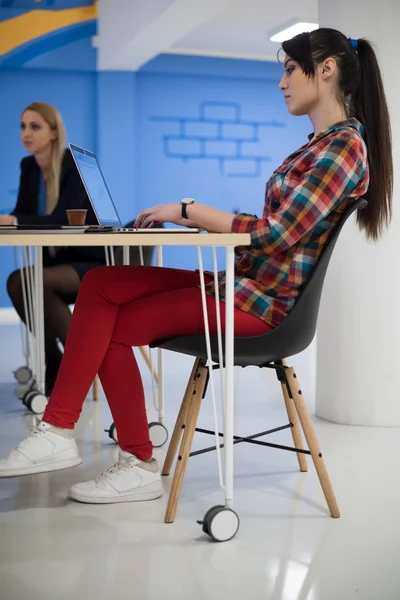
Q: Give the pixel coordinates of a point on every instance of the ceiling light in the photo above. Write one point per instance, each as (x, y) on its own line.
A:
(289, 32)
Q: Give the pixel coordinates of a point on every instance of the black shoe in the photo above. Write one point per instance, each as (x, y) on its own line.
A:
(48, 388)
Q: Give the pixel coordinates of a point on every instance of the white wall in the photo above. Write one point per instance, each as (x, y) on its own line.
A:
(359, 325)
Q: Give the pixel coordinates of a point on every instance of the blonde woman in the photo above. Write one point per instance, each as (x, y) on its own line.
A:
(49, 184)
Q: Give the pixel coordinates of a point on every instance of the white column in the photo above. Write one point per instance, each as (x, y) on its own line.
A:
(358, 336)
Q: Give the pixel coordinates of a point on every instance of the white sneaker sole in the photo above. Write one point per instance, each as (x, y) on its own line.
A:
(141, 495)
(46, 468)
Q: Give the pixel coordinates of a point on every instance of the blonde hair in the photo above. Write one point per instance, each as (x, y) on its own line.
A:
(55, 122)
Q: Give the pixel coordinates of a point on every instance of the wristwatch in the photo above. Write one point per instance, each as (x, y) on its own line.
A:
(184, 204)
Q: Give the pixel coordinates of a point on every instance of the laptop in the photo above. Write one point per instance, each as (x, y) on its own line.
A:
(100, 197)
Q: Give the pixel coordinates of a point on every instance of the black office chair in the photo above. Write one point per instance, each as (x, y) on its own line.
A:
(269, 350)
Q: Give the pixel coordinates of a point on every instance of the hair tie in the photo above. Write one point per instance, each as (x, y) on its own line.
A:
(354, 43)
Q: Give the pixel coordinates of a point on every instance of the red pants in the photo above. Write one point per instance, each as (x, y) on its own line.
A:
(121, 307)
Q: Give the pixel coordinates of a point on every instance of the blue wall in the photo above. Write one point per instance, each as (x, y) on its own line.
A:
(68, 57)
(117, 140)
(209, 128)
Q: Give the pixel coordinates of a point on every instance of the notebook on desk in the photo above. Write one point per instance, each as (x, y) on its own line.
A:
(100, 197)
(40, 228)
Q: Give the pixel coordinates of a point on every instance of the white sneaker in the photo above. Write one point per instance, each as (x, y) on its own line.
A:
(46, 448)
(129, 480)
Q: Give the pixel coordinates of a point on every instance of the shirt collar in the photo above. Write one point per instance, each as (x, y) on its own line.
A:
(352, 122)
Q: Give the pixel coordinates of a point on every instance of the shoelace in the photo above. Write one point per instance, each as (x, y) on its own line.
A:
(121, 465)
(35, 431)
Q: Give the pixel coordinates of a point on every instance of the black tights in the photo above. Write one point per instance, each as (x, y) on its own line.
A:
(60, 287)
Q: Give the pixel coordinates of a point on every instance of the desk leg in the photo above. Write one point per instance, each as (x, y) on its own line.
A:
(160, 361)
(39, 320)
(221, 522)
(229, 378)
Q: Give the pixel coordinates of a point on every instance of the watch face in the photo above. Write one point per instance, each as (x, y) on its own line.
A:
(187, 200)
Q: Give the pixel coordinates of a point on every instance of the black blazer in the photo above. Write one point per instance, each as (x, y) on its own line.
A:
(72, 195)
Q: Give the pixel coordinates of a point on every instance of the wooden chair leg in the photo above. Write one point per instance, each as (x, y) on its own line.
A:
(146, 357)
(312, 442)
(186, 444)
(180, 421)
(96, 388)
(296, 429)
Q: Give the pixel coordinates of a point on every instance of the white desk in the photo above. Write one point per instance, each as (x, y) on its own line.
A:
(200, 240)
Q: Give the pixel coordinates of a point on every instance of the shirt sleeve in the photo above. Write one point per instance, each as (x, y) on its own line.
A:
(333, 174)
(23, 191)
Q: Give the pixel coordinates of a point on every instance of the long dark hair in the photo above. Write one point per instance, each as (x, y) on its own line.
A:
(362, 93)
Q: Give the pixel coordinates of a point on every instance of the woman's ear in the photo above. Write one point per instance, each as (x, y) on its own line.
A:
(328, 68)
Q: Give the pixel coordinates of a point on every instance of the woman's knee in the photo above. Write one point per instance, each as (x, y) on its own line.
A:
(97, 277)
(14, 285)
(94, 277)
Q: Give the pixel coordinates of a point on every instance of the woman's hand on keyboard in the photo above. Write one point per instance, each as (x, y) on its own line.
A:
(163, 213)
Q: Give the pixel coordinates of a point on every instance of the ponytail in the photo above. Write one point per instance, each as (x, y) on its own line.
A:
(370, 107)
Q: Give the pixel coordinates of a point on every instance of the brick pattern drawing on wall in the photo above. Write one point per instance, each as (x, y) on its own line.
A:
(219, 133)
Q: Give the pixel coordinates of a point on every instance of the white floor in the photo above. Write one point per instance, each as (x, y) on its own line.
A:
(287, 548)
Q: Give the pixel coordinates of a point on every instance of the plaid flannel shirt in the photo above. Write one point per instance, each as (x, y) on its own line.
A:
(304, 200)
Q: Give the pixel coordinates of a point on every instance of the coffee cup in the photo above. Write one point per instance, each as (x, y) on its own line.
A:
(76, 216)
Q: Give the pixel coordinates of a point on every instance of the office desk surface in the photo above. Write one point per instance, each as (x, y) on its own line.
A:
(124, 239)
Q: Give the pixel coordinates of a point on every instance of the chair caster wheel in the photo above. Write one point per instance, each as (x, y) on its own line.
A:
(23, 374)
(158, 434)
(112, 433)
(220, 523)
(35, 402)
(205, 521)
(22, 389)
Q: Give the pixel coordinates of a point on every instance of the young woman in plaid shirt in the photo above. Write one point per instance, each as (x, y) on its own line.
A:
(336, 81)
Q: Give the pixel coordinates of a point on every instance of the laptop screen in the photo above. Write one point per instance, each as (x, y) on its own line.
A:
(95, 186)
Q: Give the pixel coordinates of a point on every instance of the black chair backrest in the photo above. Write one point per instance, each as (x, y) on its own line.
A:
(292, 336)
(134, 254)
(297, 330)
